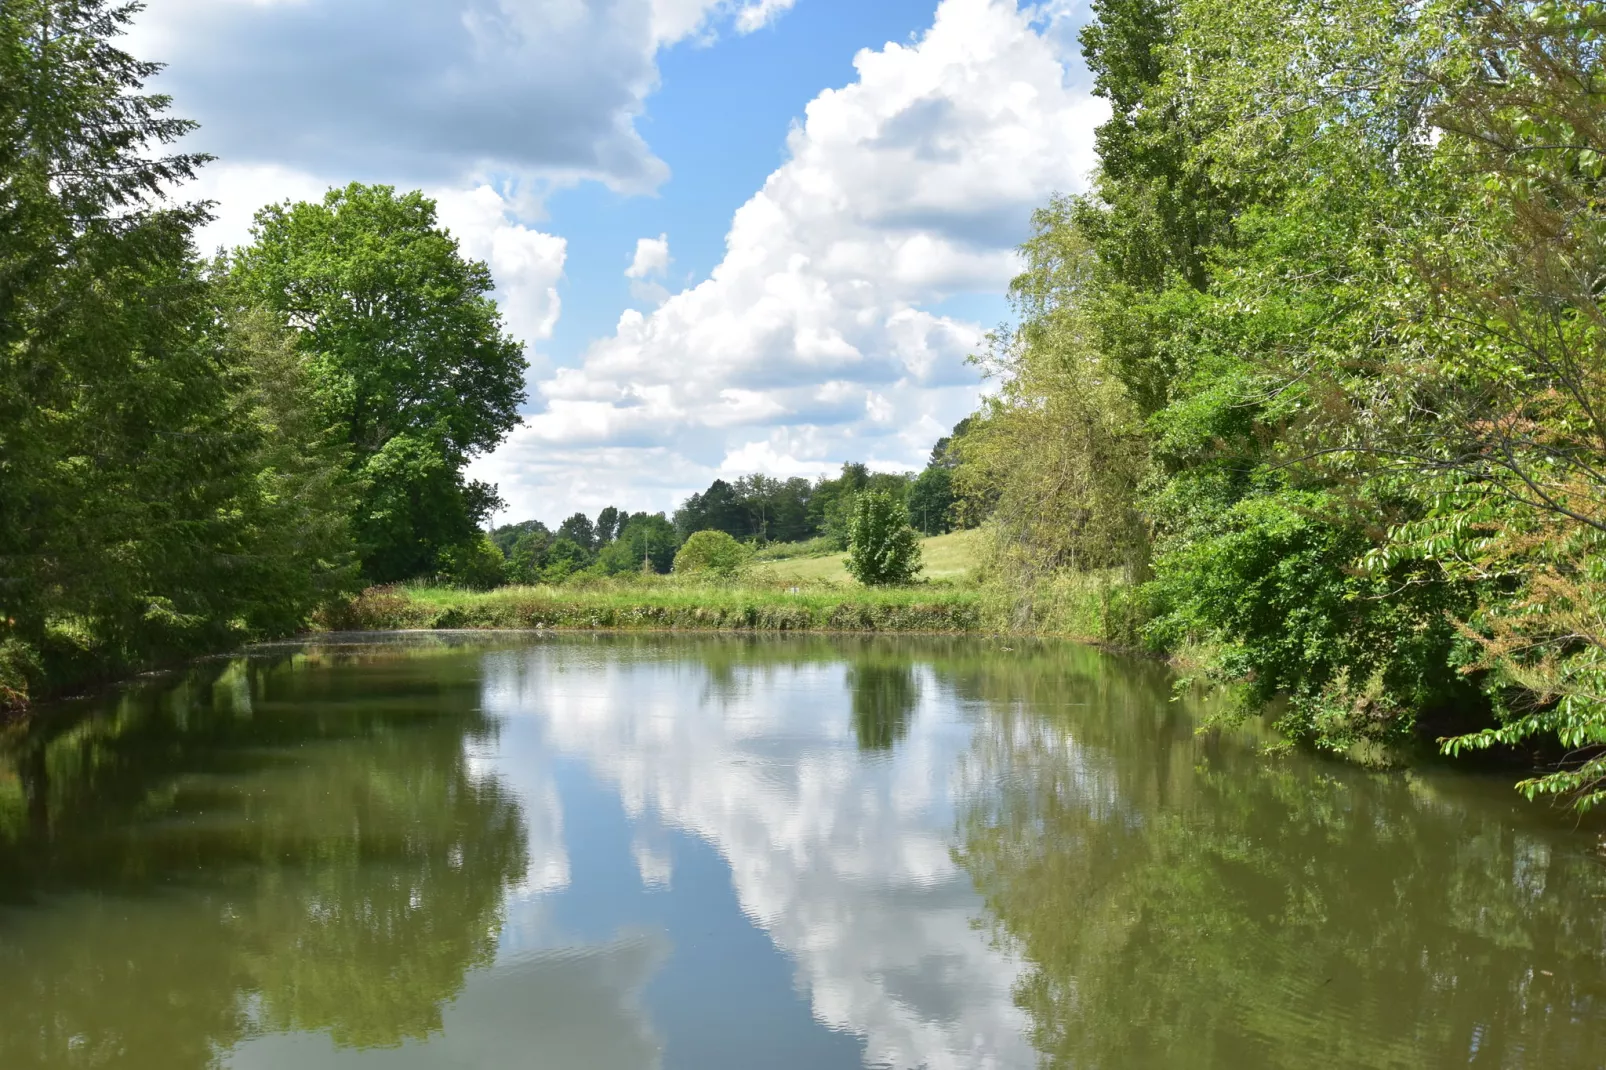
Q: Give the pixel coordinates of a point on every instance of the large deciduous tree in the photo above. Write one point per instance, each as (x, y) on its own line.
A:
(409, 356)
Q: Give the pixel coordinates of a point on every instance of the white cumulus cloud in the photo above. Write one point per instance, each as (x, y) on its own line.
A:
(824, 320)
(652, 258)
(526, 264)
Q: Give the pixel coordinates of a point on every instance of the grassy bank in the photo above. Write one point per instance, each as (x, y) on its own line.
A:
(639, 604)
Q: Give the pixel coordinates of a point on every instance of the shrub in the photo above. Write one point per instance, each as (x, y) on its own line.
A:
(19, 668)
(883, 549)
(820, 546)
(711, 552)
(527, 556)
(564, 558)
(476, 564)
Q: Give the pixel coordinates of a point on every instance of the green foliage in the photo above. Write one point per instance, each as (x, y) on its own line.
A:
(883, 549)
(167, 482)
(712, 553)
(408, 355)
(820, 546)
(477, 565)
(885, 696)
(563, 558)
(609, 521)
(646, 542)
(579, 530)
(836, 519)
(508, 535)
(527, 554)
(634, 601)
(761, 509)
(931, 500)
(1317, 368)
(1056, 458)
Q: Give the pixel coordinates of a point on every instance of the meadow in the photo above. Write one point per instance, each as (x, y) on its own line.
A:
(947, 558)
(811, 593)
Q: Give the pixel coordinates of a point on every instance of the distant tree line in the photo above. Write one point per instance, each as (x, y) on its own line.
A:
(756, 510)
(763, 509)
(615, 542)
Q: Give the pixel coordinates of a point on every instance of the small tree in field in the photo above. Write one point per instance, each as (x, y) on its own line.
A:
(713, 553)
(883, 550)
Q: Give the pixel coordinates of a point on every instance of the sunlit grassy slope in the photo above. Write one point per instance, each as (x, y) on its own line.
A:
(946, 557)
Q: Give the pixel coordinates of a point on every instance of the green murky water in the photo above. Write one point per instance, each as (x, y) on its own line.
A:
(625, 852)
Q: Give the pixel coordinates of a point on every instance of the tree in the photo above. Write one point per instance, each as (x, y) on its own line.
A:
(758, 495)
(719, 508)
(789, 511)
(609, 521)
(711, 553)
(409, 357)
(527, 557)
(931, 499)
(579, 530)
(477, 565)
(646, 541)
(754, 507)
(836, 519)
(508, 534)
(828, 492)
(943, 452)
(563, 559)
(164, 476)
(883, 549)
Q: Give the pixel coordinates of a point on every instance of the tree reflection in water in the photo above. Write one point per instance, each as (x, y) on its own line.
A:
(303, 849)
(1181, 901)
(885, 694)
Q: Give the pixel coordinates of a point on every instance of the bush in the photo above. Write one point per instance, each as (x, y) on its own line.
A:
(711, 552)
(19, 669)
(564, 558)
(820, 546)
(527, 556)
(883, 549)
(476, 564)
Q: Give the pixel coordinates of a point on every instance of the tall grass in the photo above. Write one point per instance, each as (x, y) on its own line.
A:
(665, 603)
(1096, 607)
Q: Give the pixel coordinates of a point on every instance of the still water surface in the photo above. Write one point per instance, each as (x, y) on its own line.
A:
(634, 852)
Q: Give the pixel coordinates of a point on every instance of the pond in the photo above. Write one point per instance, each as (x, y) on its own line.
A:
(526, 850)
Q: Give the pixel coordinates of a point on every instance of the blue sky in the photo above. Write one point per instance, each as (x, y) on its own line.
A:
(735, 235)
(719, 120)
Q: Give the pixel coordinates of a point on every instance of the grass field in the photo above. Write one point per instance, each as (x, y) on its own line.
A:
(946, 558)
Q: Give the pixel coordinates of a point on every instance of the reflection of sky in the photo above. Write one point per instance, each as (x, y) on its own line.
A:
(841, 858)
(718, 877)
